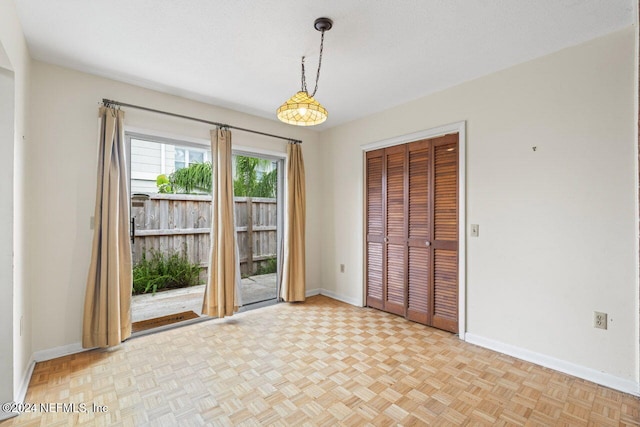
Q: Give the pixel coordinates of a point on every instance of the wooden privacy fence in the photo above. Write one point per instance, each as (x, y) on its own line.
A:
(181, 222)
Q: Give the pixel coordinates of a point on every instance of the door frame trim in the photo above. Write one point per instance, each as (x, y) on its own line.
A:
(460, 129)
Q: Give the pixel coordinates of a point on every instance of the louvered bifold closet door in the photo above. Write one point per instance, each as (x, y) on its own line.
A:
(445, 233)
(395, 236)
(418, 229)
(375, 228)
(412, 231)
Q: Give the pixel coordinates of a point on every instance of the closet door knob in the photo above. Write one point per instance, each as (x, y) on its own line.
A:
(428, 244)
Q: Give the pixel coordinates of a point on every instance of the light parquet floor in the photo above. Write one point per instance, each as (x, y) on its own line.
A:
(321, 363)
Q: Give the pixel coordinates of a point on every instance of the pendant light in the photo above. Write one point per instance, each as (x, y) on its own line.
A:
(302, 109)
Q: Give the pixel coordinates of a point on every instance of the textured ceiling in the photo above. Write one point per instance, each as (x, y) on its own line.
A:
(245, 55)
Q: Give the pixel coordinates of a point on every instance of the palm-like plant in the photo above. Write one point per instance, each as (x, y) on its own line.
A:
(267, 185)
(247, 184)
(197, 177)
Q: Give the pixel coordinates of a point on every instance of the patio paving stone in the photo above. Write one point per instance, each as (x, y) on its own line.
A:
(149, 306)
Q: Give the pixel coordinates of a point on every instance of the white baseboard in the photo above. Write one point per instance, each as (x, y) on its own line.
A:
(312, 292)
(333, 295)
(339, 297)
(589, 374)
(39, 356)
(24, 382)
(53, 353)
(7, 415)
(21, 393)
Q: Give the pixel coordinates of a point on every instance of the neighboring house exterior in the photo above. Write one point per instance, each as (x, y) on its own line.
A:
(150, 159)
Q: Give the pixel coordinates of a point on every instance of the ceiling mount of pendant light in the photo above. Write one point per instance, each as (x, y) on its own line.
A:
(302, 109)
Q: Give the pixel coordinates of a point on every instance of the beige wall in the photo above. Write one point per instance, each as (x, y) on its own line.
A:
(64, 117)
(558, 226)
(15, 350)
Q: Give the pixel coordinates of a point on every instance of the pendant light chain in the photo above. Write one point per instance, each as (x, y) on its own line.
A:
(302, 109)
(304, 80)
(319, 64)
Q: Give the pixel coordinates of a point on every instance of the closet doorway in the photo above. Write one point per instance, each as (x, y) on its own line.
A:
(412, 230)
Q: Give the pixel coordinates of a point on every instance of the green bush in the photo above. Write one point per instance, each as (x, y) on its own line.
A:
(267, 267)
(164, 184)
(164, 271)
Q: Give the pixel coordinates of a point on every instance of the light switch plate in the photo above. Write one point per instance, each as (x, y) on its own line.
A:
(475, 230)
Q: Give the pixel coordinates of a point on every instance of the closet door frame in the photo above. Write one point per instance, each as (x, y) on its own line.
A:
(460, 129)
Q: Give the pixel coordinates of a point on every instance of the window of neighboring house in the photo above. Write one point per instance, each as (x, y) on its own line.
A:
(188, 156)
(153, 156)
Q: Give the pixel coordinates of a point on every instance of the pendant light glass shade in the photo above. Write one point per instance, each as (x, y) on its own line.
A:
(302, 110)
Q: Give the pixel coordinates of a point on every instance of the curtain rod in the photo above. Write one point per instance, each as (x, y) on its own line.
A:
(109, 102)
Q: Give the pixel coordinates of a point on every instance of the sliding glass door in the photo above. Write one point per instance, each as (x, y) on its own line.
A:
(170, 225)
(258, 201)
(171, 219)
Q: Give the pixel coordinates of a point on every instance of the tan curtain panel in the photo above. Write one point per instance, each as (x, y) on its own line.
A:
(107, 306)
(221, 296)
(293, 286)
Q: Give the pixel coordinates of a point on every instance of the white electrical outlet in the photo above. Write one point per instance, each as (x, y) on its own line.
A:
(599, 320)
